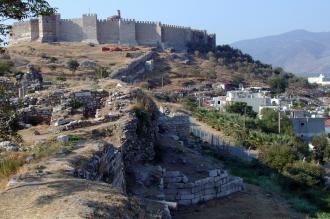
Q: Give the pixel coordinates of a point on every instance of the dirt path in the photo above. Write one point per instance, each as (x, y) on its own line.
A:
(252, 204)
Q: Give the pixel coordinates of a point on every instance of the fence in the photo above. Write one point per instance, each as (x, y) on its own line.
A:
(220, 145)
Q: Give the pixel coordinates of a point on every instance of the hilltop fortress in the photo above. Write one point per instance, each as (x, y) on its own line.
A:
(114, 30)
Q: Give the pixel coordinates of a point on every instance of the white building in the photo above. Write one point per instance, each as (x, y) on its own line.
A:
(218, 102)
(321, 80)
(251, 98)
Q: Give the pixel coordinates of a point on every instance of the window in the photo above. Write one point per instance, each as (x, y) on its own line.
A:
(302, 124)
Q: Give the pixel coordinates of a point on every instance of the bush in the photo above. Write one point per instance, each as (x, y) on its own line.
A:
(305, 174)
(6, 67)
(277, 156)
(321, 148)
(75, 104)
(240, 108)
(61, 78)
(73, 65)
(102, 73)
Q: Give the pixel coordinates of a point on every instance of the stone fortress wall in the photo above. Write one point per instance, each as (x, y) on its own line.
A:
(114, 29)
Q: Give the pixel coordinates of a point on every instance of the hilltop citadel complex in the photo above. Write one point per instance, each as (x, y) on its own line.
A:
(114, 30)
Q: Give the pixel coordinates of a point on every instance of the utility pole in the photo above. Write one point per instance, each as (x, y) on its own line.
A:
(279, 118)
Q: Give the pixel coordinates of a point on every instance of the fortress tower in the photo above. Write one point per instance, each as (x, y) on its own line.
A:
(48, 28)
(89, 27)
(115, 29)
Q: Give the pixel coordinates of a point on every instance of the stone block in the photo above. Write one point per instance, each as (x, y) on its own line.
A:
(196, 189)
(185, 197)
(184, 191)
(213, 173)
(208, 197)
(209, 185)
(184, 202)
(170, 197)
(173, 174)
(173, 179)
(175, 185)
(63, 138)
(189, 185)
(171, 191)
(209, 191)
(195, 200)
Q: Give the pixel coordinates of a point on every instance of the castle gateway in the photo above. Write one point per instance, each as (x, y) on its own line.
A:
(114, 30)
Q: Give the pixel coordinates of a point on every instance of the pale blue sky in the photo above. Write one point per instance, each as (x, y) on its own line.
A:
(231, 20)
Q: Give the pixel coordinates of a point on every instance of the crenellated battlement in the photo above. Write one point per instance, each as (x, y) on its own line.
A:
(113, 29)
(89, 15)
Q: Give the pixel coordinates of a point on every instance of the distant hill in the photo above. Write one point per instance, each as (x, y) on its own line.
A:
(298, 51)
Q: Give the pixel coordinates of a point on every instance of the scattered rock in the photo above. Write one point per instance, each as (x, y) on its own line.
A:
(63, 138)
(35, 132)
(8, 146)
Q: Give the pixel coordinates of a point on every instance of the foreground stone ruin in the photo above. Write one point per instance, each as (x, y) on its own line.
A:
(124, 130)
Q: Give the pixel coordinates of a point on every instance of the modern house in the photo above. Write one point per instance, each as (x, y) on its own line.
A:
(307, 126)
(253, 98)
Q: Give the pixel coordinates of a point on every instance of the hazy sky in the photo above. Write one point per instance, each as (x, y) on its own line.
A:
(231, 20)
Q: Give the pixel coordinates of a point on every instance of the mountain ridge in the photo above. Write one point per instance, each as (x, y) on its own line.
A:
(299, 51)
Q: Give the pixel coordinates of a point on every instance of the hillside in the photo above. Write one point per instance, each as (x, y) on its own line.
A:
(299, 51)
(195, 70)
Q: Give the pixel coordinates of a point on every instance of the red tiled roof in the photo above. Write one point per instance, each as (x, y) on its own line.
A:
(327, 122)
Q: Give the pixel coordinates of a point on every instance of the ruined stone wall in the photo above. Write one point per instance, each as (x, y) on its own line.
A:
(108, 31)
(127, 34)
(71, 30)
(148, 33)
(175, 36)
(218, 184)
(89, 22)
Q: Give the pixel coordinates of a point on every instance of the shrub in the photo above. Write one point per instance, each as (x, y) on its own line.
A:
(52, 67)
(6, 67)
(75, 104)
(277, 156)
(61, 78)
(305, 174)
(102, 73)
(321, 148)
(8, 167)
(302, 205)
(53, 59)
(73, 65)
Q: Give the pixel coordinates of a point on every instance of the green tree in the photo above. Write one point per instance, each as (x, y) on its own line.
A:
(278, 84)
(73, 65)
(269, 122)
(321, 147)
(8, 116)
(240, 108)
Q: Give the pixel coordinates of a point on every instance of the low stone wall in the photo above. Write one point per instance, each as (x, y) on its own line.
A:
(218, 184)
(86, 123)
